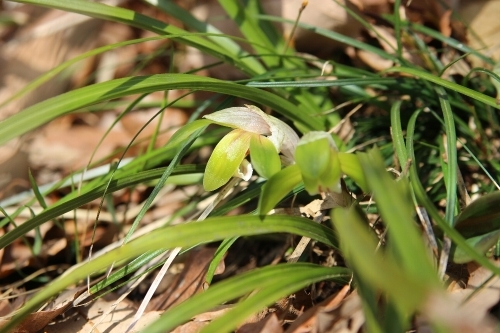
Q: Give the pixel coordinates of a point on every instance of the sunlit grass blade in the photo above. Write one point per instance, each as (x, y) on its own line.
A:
(397, 134)
(424, 200)
(397, 216)
(192, 22)
(292, 278)
(335, 36)
(66, 205)
(249, 27)
(218, 257)
(446, 84)
(122, 15)
(451, 149)
(274, 290)
(277, 187)
(185, 235)
(378, 270)
(161, 182)
(127, 269)
(42, 112)
(447, 40)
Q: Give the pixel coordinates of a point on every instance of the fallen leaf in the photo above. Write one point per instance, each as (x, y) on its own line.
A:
(89, 319)
(337, 313)
(189, 282)
(36, 321)
(270, 324)
(482, 18)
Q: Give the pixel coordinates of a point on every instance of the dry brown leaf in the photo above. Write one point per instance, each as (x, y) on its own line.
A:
(373, 60)
(13, 168)
(172, 119)
(51, 49)
(38, 320)
(482, 17)
(270, 324)
(458, 312)
(337, 313)
(188, 282)
(65, 147)
(190, 327)
(85, 318)
(214, 313)
(485, 298)
(16, 256)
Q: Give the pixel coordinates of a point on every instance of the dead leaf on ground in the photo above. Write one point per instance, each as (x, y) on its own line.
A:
(463, 314)
(337, 313)
(270, 324)
(62, 146)
(85, 318)
(38, 320)
(189, 282)
(482, 17)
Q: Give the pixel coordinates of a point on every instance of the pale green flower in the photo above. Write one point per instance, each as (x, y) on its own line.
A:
(317, 157)
(262, 135)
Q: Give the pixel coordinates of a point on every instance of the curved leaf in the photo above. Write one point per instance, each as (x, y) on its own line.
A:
(277, 187)
(47, 110)
(129, 17)
(292, 277)
(67, 204)
(186, 235)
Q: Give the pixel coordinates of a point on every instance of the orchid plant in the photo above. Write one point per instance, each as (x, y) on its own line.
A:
(314, 159)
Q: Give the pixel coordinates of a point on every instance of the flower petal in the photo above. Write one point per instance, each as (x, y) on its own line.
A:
(226, 159)
(248, 119)
(317, 157)
(284, 138)
(264, 156)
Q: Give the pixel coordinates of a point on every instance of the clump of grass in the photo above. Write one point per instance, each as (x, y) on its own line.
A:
(418, 120)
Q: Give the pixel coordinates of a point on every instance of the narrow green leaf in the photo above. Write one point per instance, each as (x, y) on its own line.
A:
(292, 277)
(41, 113)
(424, 200)
(161, 182)
(451, 149)
(69, 203)
(480, 217)
(446, 84)
(185, 235)
(218, 257)
(398, 215)
(274, 289)
(191, 21)
(481, 244)
(183, 133)
(249, 27)
(129, 17)
(131, 267)
(376, 269)
(277, 187)
(397, 134)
